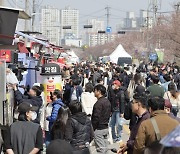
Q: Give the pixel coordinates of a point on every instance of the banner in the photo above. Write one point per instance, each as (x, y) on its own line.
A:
(51, 83)
(160, 54)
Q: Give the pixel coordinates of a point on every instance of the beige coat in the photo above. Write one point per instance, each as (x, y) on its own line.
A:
(146, 133)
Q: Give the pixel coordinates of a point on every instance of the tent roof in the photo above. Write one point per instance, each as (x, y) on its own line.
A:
(120, 52)
(72, 53)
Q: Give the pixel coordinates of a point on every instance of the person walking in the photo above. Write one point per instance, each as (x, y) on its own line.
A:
(146, 135)
(100, 119)
(56, 105)
(88, 99)
(155, 89)
(59, 126)
(79, 132)
(32, 98)
(139, 107)
(174, 97)
(76, 91)
(118, 99)
(25, 137)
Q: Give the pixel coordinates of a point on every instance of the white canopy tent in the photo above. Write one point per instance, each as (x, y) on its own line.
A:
(119, 52)
(73, 58)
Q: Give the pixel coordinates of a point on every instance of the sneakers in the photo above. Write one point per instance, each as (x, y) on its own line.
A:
(118, 140)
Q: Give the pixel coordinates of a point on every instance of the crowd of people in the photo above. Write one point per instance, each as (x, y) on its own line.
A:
(97, 96)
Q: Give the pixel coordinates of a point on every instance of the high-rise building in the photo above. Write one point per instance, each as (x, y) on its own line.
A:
(69, 17)
(130, 21)
(97, 25)
(94, 39)
(50, 24)
(145, 19)
(130, 15)
(120, 25)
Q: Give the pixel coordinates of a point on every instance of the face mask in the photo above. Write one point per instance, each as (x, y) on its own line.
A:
(113, 87)
(33, 115)
(16, 115)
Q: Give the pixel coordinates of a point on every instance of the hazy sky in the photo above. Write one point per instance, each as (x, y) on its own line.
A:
(90, 9)
(96, 8)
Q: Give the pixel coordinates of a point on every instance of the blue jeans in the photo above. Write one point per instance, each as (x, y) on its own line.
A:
(47, 138)
(116, 121)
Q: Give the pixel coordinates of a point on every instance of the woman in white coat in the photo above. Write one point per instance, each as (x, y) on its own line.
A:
(88, 99)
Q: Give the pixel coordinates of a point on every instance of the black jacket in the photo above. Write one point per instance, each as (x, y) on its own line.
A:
(34, 101)
(79, 130)
(101, 114)
(118, 98)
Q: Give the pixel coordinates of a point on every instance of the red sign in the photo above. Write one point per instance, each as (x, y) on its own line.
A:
(50, 87)
(5, 55)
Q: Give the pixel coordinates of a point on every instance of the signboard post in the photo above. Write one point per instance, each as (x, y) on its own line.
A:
(2, 91)
(51, 79)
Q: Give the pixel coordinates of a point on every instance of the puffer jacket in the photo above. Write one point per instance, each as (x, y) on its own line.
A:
(56, 105)
(79, 130)
(34, 101)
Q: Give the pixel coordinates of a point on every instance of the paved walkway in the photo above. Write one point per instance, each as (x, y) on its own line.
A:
(125, 136)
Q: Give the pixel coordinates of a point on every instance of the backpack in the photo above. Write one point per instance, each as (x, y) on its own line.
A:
(156, 147)
(127, 111)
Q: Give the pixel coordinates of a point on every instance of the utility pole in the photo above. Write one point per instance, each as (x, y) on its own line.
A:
(108, 15)
(177, 7)
(33, 14)
(27, 11)
(155, 8)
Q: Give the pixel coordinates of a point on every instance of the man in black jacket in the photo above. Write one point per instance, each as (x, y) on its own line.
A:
(79, 132)
(100, 119)
(117, 97)
(33, 98)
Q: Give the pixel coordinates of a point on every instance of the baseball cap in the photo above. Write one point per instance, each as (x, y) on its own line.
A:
(168, 104)
(25, 107)
(117, 82)
(59, 147)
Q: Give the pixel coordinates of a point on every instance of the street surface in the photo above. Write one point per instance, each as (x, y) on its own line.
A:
(125, 136)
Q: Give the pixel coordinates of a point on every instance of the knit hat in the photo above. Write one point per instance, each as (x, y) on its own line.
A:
(59, 147)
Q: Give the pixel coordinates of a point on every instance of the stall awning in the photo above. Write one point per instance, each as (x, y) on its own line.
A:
(33, 39)
(22, 13)
(22, 48)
